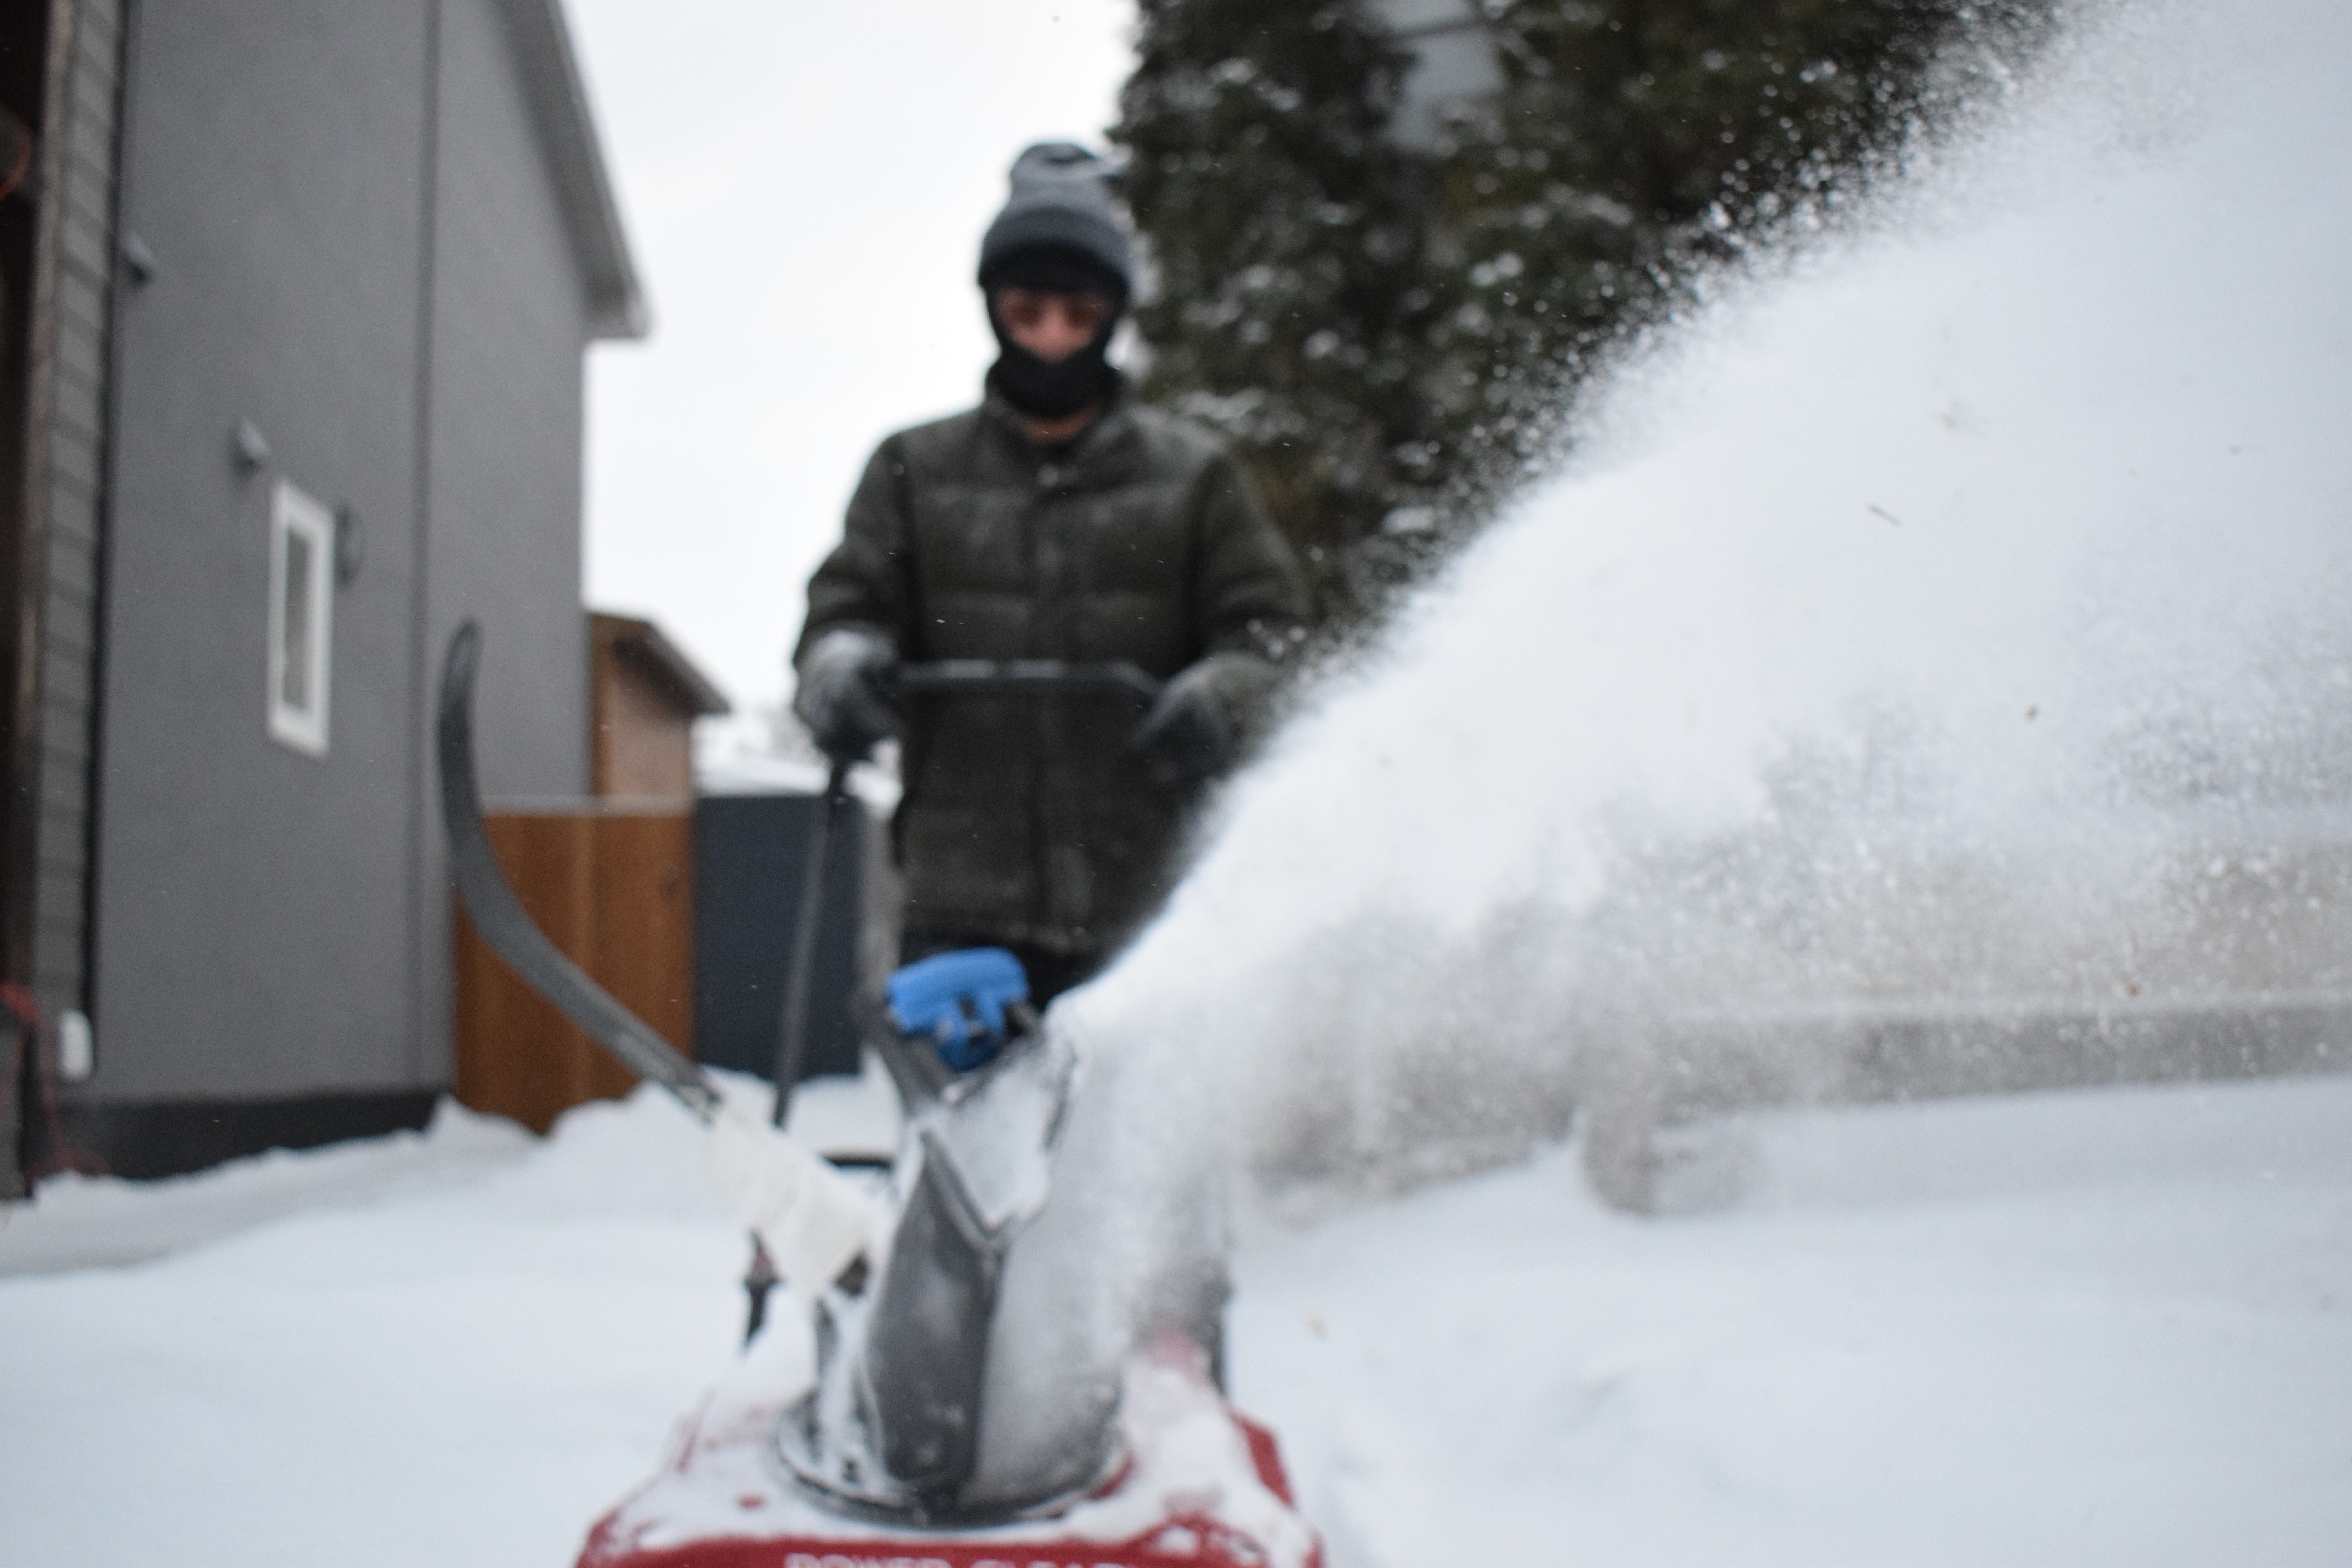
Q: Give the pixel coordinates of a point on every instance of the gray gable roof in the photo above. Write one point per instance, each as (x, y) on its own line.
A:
(567, 132)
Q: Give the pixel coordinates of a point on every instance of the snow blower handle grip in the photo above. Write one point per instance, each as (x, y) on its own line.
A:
(1029, 677)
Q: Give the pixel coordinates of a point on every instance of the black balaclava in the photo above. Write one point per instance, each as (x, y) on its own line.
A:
(1050, 388)
(1059, 233)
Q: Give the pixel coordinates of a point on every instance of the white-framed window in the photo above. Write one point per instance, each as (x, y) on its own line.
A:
(301, 611)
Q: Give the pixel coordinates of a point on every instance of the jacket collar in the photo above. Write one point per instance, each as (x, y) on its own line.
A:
(1099, 450)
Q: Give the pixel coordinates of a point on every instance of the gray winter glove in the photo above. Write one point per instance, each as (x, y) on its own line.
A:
(1186, 737)
(844, 697)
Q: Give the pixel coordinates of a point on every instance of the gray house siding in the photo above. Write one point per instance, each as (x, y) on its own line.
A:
(271, 165)
(60, 568)
(510, 322)
(361, 249)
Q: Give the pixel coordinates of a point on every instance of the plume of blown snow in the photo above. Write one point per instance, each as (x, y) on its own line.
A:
(1906, 623)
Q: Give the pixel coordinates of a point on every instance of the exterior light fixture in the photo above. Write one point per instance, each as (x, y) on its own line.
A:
(351, 545)
(138, 261)
(245, 447)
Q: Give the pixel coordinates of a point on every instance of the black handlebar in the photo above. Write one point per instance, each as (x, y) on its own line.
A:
(1037, 677)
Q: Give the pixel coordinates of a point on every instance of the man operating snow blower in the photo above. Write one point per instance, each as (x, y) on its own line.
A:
(1058, 520)
(1071, 612)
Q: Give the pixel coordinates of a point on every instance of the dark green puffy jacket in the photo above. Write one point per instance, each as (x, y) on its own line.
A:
(1030, 820)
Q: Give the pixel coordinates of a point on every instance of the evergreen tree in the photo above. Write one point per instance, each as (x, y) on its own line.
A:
(1285, 233)
(1392, 336)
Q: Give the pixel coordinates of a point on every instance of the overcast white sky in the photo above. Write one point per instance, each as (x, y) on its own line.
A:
(804, 188)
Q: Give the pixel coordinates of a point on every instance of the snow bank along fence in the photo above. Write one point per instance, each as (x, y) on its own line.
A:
(1706, 1063)
(2234, 960)
(682, 909)
(1409, 1055)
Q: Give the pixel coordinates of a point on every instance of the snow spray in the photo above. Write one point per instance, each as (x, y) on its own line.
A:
(1950, 616)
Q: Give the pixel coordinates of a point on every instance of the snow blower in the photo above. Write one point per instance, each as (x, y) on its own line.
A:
(910, 1446)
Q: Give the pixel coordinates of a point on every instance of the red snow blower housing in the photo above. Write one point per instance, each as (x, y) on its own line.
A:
(889, 1455)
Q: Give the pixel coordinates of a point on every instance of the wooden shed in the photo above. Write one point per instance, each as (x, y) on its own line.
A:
(643, 704)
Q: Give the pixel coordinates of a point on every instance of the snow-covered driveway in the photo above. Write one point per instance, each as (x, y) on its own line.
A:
(2084, 1327)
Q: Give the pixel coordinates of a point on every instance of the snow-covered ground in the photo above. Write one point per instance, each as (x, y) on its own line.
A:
(2094, 1328)
(2109, 1327)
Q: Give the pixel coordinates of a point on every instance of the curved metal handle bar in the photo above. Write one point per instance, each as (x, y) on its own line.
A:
(1035, 676)
(500, 919)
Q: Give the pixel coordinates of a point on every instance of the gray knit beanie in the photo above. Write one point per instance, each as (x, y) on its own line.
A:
(1061, 202)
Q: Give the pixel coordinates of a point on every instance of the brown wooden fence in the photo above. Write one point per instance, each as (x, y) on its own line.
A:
(615, 890)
